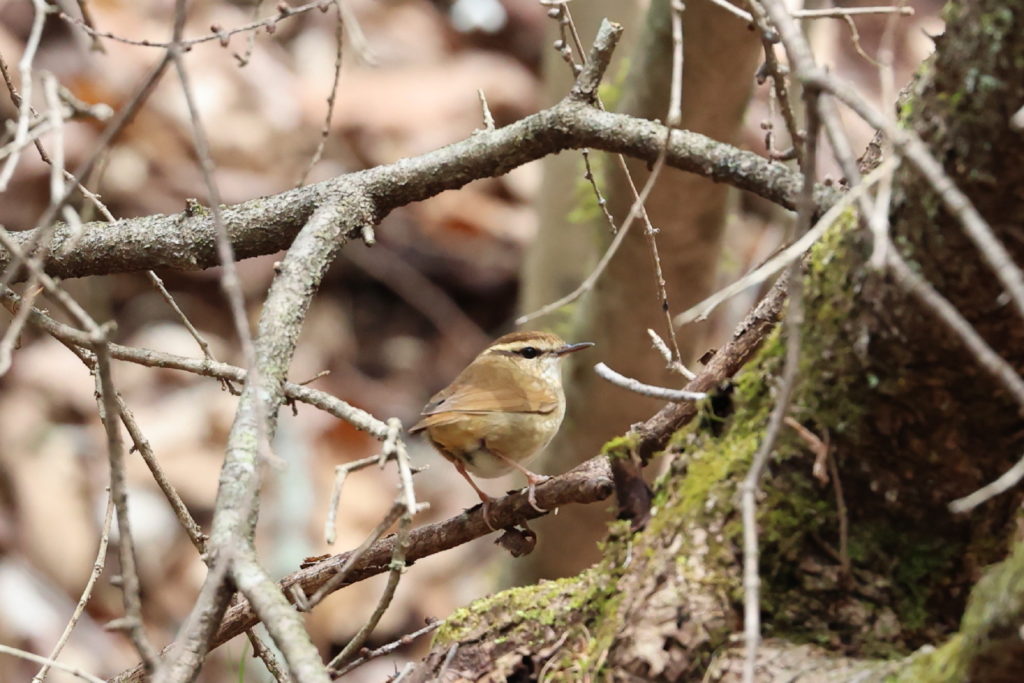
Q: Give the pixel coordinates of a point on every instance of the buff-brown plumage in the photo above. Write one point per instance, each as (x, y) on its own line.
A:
(503, 409)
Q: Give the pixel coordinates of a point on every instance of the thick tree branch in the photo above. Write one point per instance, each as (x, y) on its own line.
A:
(186, 241)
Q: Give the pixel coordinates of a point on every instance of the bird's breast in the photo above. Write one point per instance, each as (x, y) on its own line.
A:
(475, 439)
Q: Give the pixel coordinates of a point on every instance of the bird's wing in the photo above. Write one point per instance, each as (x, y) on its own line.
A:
(484, 388)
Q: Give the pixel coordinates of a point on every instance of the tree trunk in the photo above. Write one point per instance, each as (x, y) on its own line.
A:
(689, 213)
(911, 420)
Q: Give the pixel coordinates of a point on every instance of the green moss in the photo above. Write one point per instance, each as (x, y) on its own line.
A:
(527, 604)
(620, 446)
(579, 606)
(711, 462)
(945, 664)
(841, 390)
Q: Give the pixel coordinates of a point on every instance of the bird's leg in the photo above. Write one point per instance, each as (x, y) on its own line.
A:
(532, 477)
(484, 498)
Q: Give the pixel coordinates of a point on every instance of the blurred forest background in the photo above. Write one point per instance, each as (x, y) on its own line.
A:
(391, 324)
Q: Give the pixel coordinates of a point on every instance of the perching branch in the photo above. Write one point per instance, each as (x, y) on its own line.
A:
(185, 241)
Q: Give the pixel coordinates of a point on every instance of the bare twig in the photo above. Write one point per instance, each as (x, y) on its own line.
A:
(777, 73)
(25, 71)
(119, 493)
(672, 363)
(639, 387)
(488, 118)
(841, 512)
(1008, 480)
(393, 446)
(776, 263)
(828, 13)
(395, 567)
(269, 658)
(229, 276)
(674, 117)
(141, 444)
(159, 359)
(83, 7)
(751, 483)
(97, 570)
(433, 625)
(158, 283)
(818, 447)
(221, 36)
(325, 129)
(279, 617)
(840, 12)
(74, 671)
(250, 46)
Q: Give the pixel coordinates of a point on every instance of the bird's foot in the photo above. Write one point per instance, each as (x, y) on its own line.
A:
(485, 509)
(531, 492)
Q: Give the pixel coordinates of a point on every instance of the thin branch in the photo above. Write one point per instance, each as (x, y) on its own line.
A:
(751, 483)
(396, 567)
(158, 284)
(229, 277)
(840, 12)
(393, 447)
(267, 655)
(828, 13)
(284, 12)
(670, 362)
(433, 625)
(25, 71)
(636, 386)
(74, 671)
(119, 493)
(702, 309)
(358, 418)
(488, 118)
(243, 59)
(1004, 483)
(620, 236)
(278, 616)
(673, 117)
(325, 129)
(97, 570)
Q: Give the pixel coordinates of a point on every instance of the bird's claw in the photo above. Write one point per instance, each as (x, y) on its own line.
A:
(485, 509)
(531, 496)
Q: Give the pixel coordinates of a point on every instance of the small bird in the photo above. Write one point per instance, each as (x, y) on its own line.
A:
(502, 410)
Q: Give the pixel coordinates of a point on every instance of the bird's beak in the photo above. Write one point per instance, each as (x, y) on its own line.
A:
(572, 348)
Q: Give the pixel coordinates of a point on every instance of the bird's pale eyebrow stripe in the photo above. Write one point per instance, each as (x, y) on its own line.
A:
(513, 349)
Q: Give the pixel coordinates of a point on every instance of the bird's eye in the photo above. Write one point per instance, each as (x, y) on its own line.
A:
(529, 352)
